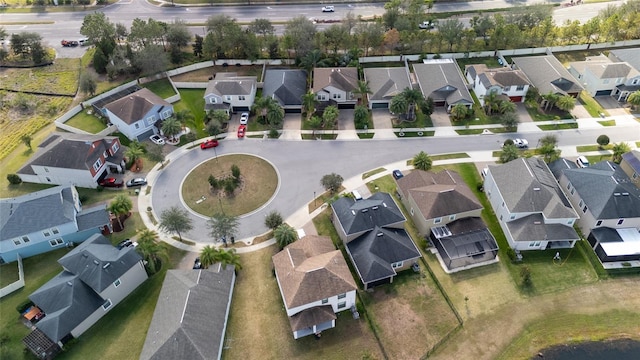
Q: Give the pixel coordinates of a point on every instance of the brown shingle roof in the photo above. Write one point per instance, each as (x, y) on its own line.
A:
(345, 78)
(132, 108)
(310, 269)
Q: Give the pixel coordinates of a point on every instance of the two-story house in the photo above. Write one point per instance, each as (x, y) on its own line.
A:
(96, 277)
(532, 210)
(630, 56)
(609, 206)
(601, 76)
(336, 85)
(502, 81)
(230, 92)
(137, 115)
(74, 159)
(47, 220)
(630, 164)
(315, 284)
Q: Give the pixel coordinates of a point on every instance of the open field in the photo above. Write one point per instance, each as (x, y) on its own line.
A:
(59, 78)
(203, 75)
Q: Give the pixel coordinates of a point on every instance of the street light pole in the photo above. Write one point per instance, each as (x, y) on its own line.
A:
(314, 199)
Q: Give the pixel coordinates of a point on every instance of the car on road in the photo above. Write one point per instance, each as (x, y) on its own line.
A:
(244, 118)
(211, 143)
(136, 182)
(521, 143)
(241, 130)
(328, 8)
(69, 43)
(157, 139)
(582, 162)
(83, 41)
(397, 174)
(111, 182)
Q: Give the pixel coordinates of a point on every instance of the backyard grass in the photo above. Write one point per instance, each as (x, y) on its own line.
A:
(203, 75)
(87, 122)
(192, 100)
(591, 105)
(259, 181)
(161, 87)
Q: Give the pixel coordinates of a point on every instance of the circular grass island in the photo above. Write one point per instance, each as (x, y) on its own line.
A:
(256, 184)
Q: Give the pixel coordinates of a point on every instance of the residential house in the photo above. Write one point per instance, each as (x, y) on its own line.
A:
(46, 220)
(315, 284)
(286, 86)
(96, 277)
(602, 76)
(444, 209)
(548, 75)
(335, 86)
(505, 82)
(532, 210)
(442, 81)
(138, 115)
(230, 92)
(631, 57)
(191, 315)
(74, 159)
(630, 164)
(373, 232)
(385, 83)
(609, 206)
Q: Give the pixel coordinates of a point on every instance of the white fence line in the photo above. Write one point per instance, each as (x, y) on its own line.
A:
(16, 285)
(191, 67)
(190, 85)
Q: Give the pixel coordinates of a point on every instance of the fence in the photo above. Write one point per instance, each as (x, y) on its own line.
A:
(191, 67)
(90, 102)
(19, 284)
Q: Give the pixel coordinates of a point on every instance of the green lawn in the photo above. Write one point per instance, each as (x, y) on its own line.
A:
(563, 126)
(607, 122)
(192, 100)
(591, 105)
(407, 134)
(89, 123)
(161, 87)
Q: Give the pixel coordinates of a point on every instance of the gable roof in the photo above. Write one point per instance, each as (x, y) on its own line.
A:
(93, 217)
(535, 190)
(631, 56)
(98, 263)
(311, 269)
(502, 76)
(225, 84)
(438, 194)
(311, 316)
(134, 107)
(375, 251)
(343, 78)
(286, 86)
(441, 79)
(604, 68)
(547, 74)
(386, 83)
(72, 151)
(632, 158)
(606, 190)
(36, 211)
(357, 216)
(534, 228)
(190, 318)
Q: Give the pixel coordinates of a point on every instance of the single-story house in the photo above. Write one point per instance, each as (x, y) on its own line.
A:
(315, 284)
(137, 115)
(601, 76)
(74, 159)
(286, 86)
(512, 84)
(230, 92)
(385, 83)
(442, 81)
(46, 220)
(336, 85)
(548, 75)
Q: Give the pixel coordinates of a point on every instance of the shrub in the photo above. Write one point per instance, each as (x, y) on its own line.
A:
(215, 183)
(507, 142)
(511, 254)
(273, 134)
(14, 179)
(525, 275)
(273, 220)
(24, 306)
(603, 140)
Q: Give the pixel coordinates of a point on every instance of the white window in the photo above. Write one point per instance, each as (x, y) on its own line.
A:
(502, 204)
(213, 100)
(599, 222)
(618, 80)
(342, 296)
(581, 203)
(97, 165)
(241, 98)
(151, 119)
(105, 154)
(117, 283)
(56, 242)
(520, 87)
(115, 148)
(584, 209)
(137, 126)
(512, 217)
(48, 179)
(342, 304)
(337, 96)
(25, 239)
(620, 221)
(227, 97)
(166, 113)
(635, 82)
(106, 305)
(437, 220)
(46, 233)
(324, 301)
(17, 241)
(506, 88)
(397, 264)
(570, 222)
(55, 231)
(452, 217)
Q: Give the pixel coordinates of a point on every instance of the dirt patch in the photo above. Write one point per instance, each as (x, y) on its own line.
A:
(206, 74)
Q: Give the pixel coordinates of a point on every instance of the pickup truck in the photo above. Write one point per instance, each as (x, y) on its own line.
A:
(426, 25)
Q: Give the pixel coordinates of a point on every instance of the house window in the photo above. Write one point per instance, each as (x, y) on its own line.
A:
(581, 203)
(166, 113)
(55, 231)
(520, 87)
(46, 233)
(599, 222)
(117, 283)
(411, 211)
(620, 221)
(25, 239)
(502, 204)
(635, 82)
(48, 179)
(337, 96)
(584, 209)
(137, 126)
(573, 190)
(500, 217)
(46, 169)
(115, 148)
(105, 154)
(17, 241)
(506, 88)
(342, 296)
(512, 217)
(437, 220)
(452, 217)
(56, 242)
(568, 186)
(618, 80)
(228, 98)
(241, 98)
(570, 222)
(106, 305)
(532, 244)
(635, 175)
(342, 304)
(396, 265)
(97, 165)
(324, 301)
(213, 100)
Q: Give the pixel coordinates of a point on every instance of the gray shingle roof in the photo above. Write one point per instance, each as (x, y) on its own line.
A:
(502, 76)
(441, 79)
(385, 83)
(527, 185)
(631, 56)
(231, 85)
(357, 216)
(98, 263)
(285, 86)
(375, 251)
(533, 228)
(547, 74)
(558, 167)
(93, 218)
(606, 190)
(133, 107)
(312, 316)
(36, 211)
(191, 315)
(632, 158)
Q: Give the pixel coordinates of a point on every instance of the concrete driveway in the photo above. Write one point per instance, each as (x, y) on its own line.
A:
(440, 117)
(612, 106)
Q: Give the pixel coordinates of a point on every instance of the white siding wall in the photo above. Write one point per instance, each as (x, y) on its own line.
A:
(349, 300)
(60, 176)
(129, 281)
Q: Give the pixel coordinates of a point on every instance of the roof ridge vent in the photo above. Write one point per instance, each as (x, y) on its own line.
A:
(106, 265)
(353, 212)
(625, 194)
(69, 283)
(365, 210)
(375, 207)
(536, 189)
(96, 262)
(380, 234)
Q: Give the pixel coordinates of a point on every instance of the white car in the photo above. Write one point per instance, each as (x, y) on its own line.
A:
(582, 162)
(244, 118)
(157, 139)
(328, 8)
(521, 143)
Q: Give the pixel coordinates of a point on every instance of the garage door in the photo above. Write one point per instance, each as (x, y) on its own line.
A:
(515, 98)
(379, 105)
(603, 92)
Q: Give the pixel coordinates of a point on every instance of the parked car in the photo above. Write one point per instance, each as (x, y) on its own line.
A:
(244, 118)
(211, 143)
(136, 182)
(328, 8)
(484, 172)
(426, 25)
(157, 139)
(241, 130)
(126, 243)
(521, 143)
(83, 41)
(111, 182)
(69, 43)
(582, 162)
(397, 174)
(197, 264)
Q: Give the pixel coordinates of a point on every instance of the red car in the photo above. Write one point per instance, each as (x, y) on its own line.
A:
(241, 131)
(111, 182)
(209, 144)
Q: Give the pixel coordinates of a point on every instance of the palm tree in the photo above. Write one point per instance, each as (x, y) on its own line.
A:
(634, 98)
(506, 106)
(413, 97)
(509, 120)
(151, 250)
(183, 116)
(121, 205)
(229, 257)
(134, 151)
(261, 105)
(618, 150)
(310, 61)
(171, 127)
(549, 140)
(549, 152)
(275, 115)
(509, 152)
(422, 161)
(314, 123)
(459, 112)
(566, 103)
(309, 103)
(399, 104)
(361, 116)
(285, 235)
(330, 114)
(209, 256)
(550, 100)
(490, 101)
(362, 90)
